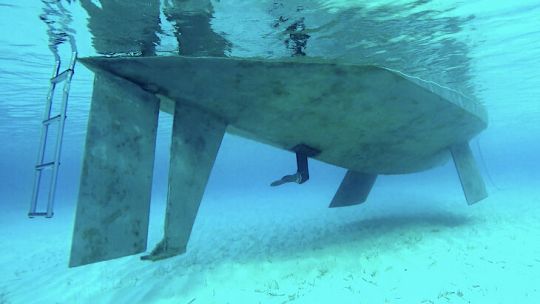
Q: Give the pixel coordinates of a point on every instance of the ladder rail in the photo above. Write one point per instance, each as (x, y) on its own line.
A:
(43, 138)
(60, 134)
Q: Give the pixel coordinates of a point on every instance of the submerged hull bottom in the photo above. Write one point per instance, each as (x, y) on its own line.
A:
(112, 214)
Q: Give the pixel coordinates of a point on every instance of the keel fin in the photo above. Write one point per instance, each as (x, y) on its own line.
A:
(471, 179)
(113, 206)
(196, 138)
(354, 189)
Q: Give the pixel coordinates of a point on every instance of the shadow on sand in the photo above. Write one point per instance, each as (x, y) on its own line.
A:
(380, 230)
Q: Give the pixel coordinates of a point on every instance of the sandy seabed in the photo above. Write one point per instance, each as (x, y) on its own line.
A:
(398, 248)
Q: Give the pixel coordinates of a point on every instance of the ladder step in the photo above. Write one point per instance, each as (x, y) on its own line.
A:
(34, 214)
(61, 77)
(45, 165)
(52, 119)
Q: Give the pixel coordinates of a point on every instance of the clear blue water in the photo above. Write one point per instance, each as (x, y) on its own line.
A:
(487, 49)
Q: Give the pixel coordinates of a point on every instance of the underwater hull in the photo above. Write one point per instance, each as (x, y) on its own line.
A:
(365, 118)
